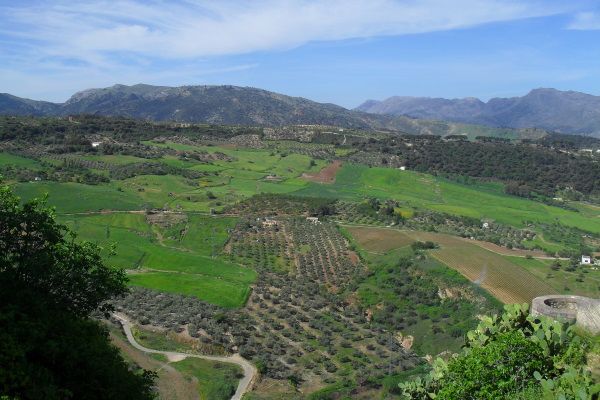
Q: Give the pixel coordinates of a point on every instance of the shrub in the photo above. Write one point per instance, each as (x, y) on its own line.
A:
(513, 355)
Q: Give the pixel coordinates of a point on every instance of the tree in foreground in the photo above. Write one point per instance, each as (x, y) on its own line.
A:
(50, 348)
(512, 356)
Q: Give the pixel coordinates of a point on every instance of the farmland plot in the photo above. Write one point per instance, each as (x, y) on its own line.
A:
(315, 251)
(379, 240)
(507, 281)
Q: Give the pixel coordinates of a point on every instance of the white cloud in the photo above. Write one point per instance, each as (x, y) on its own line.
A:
(585, 21)
(51, 48)
(188, 29)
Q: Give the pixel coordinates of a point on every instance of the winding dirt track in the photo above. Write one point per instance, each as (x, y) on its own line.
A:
(245, 383)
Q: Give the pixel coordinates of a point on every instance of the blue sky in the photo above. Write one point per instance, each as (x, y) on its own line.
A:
(339, 51)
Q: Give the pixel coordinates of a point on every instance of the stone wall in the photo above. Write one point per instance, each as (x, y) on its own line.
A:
(583, 311)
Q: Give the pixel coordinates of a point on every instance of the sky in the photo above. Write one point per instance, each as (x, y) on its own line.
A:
(337, 51)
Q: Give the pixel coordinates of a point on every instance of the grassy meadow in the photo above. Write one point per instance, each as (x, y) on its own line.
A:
(191, 265)
(356, 182)
(187, 257)
(244, 175)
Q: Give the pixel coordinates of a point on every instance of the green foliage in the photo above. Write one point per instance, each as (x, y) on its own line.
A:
(427, 245)
(527, 169)
(42, 255)
(497, 370)
(49, 285)
(217, 380)
(512, 355)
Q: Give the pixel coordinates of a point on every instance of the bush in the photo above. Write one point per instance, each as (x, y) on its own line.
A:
(514, 355)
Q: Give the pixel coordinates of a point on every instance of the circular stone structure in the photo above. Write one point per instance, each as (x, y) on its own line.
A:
(582, 311)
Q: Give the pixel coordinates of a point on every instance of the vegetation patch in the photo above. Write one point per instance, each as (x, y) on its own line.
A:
(379, 240)
(507, 281)
(326, 175)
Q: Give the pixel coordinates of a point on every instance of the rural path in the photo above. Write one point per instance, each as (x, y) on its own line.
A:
(245, 383)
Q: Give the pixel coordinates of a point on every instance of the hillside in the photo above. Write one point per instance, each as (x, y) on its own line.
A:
(12, 105)
(210, 224)
(233, 105)
(550, 109)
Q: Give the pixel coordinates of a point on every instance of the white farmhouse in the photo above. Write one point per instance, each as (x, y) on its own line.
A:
(586, 260)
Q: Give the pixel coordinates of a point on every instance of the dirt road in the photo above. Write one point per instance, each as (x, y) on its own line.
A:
(245, 383)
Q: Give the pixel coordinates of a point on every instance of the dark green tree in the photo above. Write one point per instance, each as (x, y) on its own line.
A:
(50, 348)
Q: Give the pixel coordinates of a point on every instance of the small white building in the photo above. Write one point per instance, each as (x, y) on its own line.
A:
(314, 220)
(586, 260)
(96, 144)
(402, 168)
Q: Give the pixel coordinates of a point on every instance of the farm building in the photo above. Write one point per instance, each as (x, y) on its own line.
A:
(586, 260)
(269, 222)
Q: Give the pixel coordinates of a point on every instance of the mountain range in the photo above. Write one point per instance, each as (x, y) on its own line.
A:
(234, 105)
(550, 109)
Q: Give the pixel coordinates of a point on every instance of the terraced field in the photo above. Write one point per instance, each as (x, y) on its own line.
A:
(184, 257)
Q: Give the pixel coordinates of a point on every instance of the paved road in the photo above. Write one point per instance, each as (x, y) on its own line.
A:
(245, 383)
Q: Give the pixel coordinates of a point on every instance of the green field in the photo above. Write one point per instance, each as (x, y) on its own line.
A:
(216, 381)
(585, 281)
(72, 197)
(11, 159)
(356, 182)
(243, 177)
(191, 265)
(192, 262)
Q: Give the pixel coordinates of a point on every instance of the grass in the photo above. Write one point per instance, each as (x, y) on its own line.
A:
(117, 159)
(211, 289)
(216, 381)
(163, 341)
(585, 281)
(243, 176)
(373, 293)
(73, 197)
(356, 182)
(11, 159)
(188, 269)
(192, 264)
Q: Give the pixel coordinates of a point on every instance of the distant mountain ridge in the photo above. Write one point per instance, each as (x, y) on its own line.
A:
(560, 111)
(232, 105)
